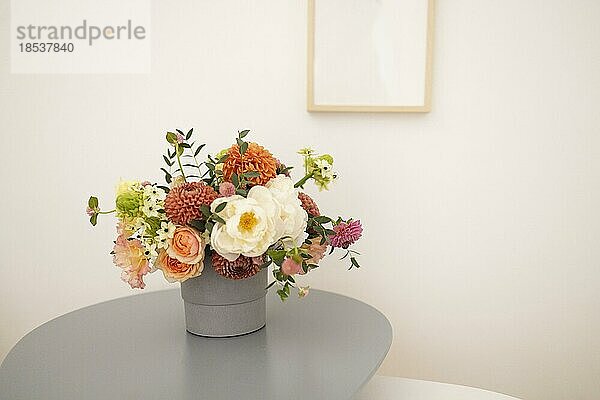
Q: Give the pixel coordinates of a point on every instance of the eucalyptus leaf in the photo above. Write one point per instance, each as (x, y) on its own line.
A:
(189, 134)
(220, 207)
(166, 172)
(199, 149)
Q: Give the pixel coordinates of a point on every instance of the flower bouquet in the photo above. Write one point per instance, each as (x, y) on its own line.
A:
(218, 224)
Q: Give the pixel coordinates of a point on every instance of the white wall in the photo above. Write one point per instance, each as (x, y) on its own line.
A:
(481, 241)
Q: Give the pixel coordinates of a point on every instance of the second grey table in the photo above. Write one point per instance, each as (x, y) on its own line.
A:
(325, 346)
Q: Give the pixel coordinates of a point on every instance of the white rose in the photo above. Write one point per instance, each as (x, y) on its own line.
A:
(252, 224)
(292, 215)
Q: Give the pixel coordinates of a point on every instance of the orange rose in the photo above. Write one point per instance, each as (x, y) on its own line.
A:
(176, 271)
(186, 246)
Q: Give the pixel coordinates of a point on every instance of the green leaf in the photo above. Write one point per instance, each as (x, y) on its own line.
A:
(179, 149)
(94, 219)
(354, 262)
(185, 145)
(235, 180)
(165, 188)
(279, 275)
(220, 207)
(270, 285)
(166, 172)
(282, 295)
(223, 158)
(322, 219)
(265, 264)
(205, 210)
(169, 162)
(277, 256)
(197, 224)
(189, 134)
(243, 147)
(172, 138)
(241, 192)
(251, 174)
(218, 219)
(199, 149)
(93, 202)
(243, 133)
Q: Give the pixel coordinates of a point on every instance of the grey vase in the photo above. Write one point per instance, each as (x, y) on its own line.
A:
(216, 306)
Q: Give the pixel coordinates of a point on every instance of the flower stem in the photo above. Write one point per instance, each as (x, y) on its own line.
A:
(106, 212)
(303, 180)
(179, 162)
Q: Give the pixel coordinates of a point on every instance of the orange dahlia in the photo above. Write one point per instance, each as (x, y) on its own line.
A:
(243, 267)
(183, 202)
(256, 158)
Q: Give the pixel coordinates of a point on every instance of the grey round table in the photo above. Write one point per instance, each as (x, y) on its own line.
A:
(325, 346)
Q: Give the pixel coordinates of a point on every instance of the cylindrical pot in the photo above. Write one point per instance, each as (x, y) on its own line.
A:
(216, 306)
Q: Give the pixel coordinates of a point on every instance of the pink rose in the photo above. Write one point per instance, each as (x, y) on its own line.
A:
(176, 271)
(186, 246)
(291, 267)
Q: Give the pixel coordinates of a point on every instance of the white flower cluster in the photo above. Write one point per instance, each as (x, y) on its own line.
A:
(268, 214)
(152, 207)
(154, 198)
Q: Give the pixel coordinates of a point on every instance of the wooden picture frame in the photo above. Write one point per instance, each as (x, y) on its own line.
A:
(423, 94)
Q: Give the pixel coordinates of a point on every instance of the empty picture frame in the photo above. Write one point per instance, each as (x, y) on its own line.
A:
(369, 55)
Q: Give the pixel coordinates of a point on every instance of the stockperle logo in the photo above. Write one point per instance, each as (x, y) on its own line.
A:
(85, 32)
(80, 36)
